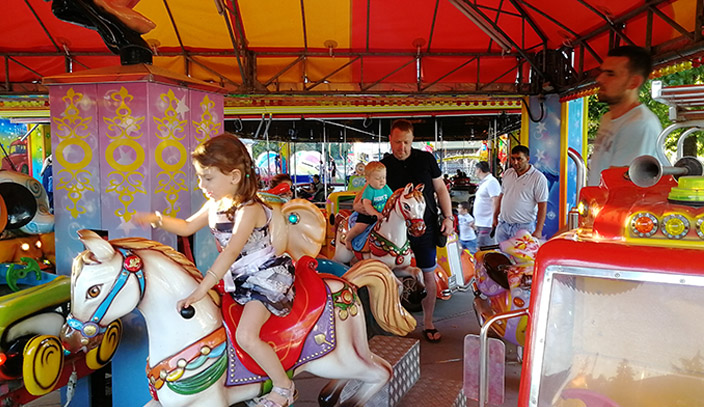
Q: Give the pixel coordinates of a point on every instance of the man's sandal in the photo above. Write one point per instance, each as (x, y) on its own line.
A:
(290, 395)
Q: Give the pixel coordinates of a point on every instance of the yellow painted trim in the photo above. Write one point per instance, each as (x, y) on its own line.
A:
(585, 129)
(350, 109)
(43, 113)
(564, 145)
(523, 137)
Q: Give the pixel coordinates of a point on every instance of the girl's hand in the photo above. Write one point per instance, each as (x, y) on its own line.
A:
(145, 219)
(196, 296)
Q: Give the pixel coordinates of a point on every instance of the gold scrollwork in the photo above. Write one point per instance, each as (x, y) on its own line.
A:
(123, 130)
(72, 131)
(172, 179)
(206, 127)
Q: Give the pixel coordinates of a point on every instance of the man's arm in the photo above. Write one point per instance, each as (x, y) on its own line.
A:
(540, 222)
(445, 206)
(497, 208)
(357, 205)
(369, 208)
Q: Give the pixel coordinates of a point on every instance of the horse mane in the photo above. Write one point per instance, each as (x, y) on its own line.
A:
(394, 198)
(139, 243)
(391, 202)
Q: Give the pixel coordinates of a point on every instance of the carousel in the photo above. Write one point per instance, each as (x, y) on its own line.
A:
(102, 129)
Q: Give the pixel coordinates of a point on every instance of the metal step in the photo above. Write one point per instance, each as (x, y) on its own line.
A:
(404, 356)
(429, 391)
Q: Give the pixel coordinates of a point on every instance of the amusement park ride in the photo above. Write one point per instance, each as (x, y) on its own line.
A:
(613, 302)
(606, 312)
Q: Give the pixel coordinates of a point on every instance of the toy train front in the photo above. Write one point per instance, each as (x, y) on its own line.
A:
(616, 303)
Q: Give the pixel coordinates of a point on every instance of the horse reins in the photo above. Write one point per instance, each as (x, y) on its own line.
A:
(131, 265)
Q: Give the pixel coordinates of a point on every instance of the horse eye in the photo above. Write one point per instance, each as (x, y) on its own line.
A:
(94, 291)
(406, 207)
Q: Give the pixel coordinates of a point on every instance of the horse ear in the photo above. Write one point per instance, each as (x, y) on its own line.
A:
(420, 187)
(408, 188)
(101, 248)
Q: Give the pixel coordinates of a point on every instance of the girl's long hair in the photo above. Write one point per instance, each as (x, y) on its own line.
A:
(227, 153)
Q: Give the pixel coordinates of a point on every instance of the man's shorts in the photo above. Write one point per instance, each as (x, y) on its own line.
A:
(425, 250)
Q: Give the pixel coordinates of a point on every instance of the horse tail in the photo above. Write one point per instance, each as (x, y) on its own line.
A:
(384, 296)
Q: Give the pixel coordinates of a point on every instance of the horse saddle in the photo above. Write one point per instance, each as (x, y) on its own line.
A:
(360, 243)
(287, 335)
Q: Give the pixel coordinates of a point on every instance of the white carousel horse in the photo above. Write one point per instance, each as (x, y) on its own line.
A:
(388, 239)
(190, 361)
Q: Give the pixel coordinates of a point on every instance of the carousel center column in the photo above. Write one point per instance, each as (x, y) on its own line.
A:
(122, 138)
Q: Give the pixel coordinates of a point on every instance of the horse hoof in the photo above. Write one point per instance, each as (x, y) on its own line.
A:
(188, 312)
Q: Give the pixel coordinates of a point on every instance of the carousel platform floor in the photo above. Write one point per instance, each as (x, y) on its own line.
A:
(440, 363)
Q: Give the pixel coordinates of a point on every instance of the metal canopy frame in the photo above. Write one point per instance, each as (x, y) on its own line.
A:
(246, 58)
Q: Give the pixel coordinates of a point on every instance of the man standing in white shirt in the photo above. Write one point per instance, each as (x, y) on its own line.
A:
(628, 129)
(524, 198)
(485, 200)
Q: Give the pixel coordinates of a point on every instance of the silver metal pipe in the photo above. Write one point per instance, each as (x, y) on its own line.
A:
(683, 136)
(674, 126)
(484, 350)
(581, 168)
(344, 126)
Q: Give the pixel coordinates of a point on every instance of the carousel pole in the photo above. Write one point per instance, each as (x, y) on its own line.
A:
(378, 143)
(324, 167)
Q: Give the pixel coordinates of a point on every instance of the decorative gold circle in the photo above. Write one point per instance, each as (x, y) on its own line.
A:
(87, 154)
(160, 150)
(110, 155)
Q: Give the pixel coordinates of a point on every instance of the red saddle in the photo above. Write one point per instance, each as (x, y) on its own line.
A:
(285, 334)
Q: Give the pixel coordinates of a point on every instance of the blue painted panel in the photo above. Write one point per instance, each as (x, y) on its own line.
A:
(575, 130)
(544, 142)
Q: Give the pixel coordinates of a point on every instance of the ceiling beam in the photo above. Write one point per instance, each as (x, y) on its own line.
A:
(498, 30)
(39, 76)
(501, 76)
(235, 43)
(613, 26)
(467, 62)
(526, 17)
(178, 37)
(211, 70)
(367, 87)
(305, 30)
(566, 28)
(282, 71)
(432, 24)
(620, 20)
(41, 23)
(323, 79)
(672, 23)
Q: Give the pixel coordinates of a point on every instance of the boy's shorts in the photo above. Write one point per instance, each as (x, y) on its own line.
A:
(367, 219)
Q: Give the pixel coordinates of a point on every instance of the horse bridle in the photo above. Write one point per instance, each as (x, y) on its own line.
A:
(131, 265)
(409, 222)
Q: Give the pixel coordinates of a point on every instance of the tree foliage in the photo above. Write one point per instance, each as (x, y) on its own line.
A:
(687, 77)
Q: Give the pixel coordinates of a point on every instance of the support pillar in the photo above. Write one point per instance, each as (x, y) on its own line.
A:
(122, 138)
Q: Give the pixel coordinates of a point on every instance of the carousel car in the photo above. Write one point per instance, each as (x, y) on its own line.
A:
(464, 184)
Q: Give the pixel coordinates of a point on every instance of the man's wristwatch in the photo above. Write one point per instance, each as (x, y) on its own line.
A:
(451, 217)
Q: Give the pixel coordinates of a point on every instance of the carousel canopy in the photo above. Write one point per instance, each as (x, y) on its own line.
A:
(355, 47)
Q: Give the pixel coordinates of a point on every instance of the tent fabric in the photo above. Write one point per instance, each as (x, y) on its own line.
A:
(355, 46)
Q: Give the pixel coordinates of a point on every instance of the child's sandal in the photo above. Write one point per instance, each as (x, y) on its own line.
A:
(290, 394)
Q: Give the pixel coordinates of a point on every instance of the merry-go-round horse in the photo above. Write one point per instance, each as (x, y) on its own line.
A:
(191, 362)
(388, 240)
